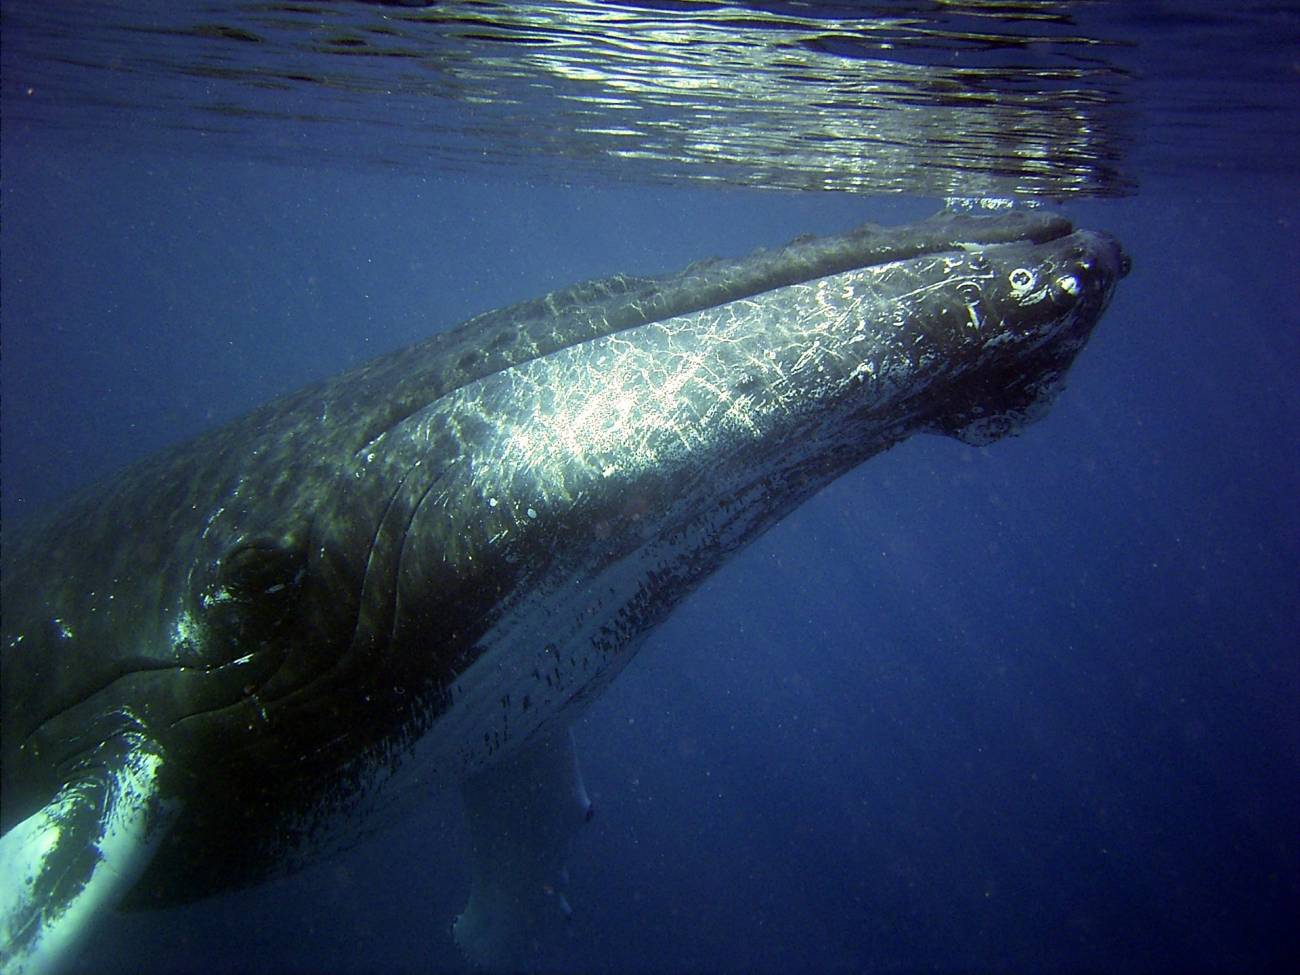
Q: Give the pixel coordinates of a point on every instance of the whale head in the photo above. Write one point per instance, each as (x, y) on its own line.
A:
(518, 502)
(402, 577)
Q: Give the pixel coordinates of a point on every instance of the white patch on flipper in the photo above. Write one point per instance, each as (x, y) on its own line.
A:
(65, 865)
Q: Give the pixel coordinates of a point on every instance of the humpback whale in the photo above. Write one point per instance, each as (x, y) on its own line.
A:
(242, 654)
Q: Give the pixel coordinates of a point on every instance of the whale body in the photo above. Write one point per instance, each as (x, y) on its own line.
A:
(239, 655)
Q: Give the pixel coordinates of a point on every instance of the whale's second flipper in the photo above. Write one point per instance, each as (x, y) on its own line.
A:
(522, 815)
(79, 853)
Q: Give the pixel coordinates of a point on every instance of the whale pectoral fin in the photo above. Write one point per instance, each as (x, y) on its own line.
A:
(522, 817)
(65, 865)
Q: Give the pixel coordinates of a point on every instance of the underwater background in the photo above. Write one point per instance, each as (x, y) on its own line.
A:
(1033, 706)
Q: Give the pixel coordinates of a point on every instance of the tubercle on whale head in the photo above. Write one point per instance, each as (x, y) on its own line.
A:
(1027, 318)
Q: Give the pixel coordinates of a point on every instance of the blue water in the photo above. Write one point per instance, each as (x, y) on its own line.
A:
(1026, 707)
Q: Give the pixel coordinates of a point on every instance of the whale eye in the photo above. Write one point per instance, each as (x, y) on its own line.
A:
(257, 568)
(1022, 279)
(250, 593)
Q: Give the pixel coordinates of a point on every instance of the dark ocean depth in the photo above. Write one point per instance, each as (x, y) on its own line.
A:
(1027, 707)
